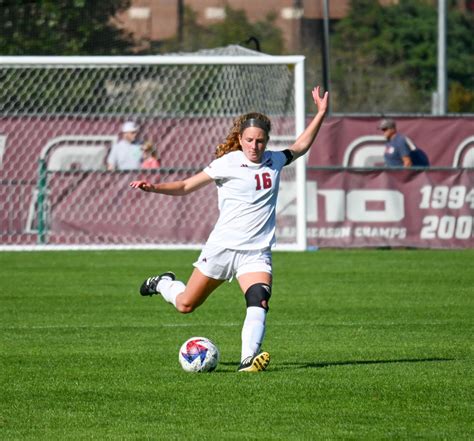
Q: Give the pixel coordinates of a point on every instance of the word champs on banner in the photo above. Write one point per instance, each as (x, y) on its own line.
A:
(396, 208)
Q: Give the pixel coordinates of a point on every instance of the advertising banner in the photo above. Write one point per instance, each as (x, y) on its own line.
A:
(394, 208)
(350, 202)
(356, 141)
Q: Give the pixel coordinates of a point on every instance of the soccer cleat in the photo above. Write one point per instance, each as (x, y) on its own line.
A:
(150, 285)
(256, 363)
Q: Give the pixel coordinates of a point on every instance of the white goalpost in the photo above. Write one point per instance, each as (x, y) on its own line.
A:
(60, 116)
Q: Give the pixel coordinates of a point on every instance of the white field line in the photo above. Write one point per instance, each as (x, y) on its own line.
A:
(160, 325)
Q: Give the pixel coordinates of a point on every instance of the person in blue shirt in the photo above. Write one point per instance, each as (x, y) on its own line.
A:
(397, 150)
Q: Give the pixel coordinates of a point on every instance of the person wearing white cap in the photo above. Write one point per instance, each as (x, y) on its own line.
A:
(126, 154)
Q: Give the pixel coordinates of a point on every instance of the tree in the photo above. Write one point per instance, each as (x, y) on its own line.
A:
(460, 99)
(62, 27)
(58, 27)
(395, 47)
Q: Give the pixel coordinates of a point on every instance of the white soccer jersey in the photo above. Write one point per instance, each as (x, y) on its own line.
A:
(247, 195)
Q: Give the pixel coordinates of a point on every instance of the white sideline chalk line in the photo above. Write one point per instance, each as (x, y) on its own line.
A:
(165, 325)
(362, 326)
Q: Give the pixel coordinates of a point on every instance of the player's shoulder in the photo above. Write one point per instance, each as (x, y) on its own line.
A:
(231, 158)
(282, 157)
(226, 161)
(275, 153)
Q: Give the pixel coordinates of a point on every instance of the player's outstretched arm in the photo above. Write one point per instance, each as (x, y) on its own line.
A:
(306, 139)
(175, 188)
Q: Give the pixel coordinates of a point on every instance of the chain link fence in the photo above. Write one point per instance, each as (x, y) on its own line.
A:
(60, 117)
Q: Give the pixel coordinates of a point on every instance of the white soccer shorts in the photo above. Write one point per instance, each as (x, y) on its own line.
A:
(224, 264)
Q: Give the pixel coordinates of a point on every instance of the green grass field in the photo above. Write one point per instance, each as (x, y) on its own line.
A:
(365, 344)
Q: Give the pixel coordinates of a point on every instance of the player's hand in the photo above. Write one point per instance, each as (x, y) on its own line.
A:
(142, 185)
(321, 102)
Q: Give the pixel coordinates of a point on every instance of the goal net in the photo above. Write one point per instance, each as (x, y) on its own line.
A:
(60, 116)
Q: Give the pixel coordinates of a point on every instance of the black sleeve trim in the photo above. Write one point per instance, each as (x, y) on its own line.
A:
(289, 156)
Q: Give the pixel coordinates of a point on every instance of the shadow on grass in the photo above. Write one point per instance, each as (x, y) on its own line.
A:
(326, 364)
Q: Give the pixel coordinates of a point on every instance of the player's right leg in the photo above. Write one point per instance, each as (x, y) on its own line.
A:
(150, 286)
(197, 290)
(185, 298)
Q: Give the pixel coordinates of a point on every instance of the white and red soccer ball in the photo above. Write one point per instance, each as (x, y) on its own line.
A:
(198, 354)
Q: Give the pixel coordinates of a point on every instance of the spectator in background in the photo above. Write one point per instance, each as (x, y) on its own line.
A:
(400, 150)
(150, 157)
(397, 150)
(127, 153)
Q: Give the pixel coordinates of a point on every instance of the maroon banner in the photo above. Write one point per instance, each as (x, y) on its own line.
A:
(342, 142)
(356, 141)
(396, 208)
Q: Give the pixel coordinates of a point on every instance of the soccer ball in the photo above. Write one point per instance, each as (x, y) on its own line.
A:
(198, 354)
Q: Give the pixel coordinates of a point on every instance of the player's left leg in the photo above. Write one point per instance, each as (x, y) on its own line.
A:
(257, 289)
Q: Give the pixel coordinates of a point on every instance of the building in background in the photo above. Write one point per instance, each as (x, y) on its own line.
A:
(299, 20)
(159, 20)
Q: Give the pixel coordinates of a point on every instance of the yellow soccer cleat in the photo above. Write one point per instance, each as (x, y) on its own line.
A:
(257, 363)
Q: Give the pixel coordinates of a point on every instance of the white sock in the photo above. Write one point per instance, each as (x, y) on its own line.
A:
(253, 331)
(169, 289)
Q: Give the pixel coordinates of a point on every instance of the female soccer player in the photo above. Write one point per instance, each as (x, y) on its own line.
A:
(247, 178)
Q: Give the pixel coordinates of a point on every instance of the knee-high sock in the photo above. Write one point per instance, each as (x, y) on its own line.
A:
(169, 289)
(253, 331)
